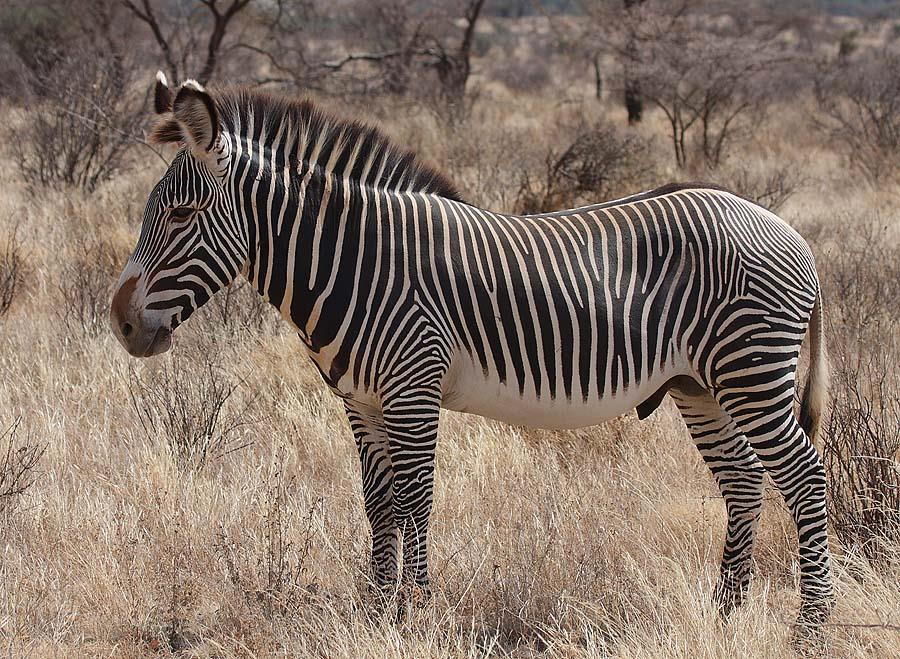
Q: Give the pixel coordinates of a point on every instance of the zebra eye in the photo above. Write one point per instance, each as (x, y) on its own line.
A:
(182, 213)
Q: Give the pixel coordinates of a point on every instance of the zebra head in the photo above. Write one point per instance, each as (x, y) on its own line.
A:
(191, 243)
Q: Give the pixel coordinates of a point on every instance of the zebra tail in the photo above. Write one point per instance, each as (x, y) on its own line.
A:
(815, 394)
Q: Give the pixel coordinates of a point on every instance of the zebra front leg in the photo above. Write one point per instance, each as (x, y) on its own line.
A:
(740, 477)
(411, 419)
(377, 481)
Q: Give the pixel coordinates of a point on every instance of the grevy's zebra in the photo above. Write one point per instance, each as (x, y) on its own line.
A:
(410, 300)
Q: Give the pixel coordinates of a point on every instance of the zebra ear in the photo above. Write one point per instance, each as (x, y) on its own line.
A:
(195, 111)
(162, 95)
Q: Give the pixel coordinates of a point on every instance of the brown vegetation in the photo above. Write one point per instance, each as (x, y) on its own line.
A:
(13, 270)
(599, 162)
(207, 503)
(862, 439)
(191, 405)
(18, 461)
(859, 103)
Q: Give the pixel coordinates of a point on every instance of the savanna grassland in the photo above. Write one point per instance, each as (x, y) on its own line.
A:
(207, 502)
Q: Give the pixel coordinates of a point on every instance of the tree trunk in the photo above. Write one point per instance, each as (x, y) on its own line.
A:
(453, 70)
(598, 77)
(634, 101)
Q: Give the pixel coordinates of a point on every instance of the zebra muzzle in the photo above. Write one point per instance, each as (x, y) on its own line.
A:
(139, 335)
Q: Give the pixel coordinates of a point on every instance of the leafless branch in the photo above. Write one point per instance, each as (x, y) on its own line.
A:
(221, 15)
(148, 16)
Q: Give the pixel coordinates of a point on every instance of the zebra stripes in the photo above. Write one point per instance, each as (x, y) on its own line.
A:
(410, 300)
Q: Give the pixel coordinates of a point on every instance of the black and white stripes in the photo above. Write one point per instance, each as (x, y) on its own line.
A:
(410, 300)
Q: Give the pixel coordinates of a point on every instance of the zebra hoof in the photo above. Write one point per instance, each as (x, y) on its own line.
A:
(807, 637)
(380, 600)
(729, 595)
(412, 598)
(808, 640)
(815, 611)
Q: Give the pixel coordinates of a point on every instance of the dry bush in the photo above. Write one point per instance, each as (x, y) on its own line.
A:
(551, 580)
(599, 161)
(13, 272)
(712, 86)
(85, 287)
(35, 36)
(862, 278)
(484, 160)
(859, 106)
(239, 309)
(862, 455)
(13, 74)
(270, 578)
(79, 132)
(193, 407)
(861, 447)
(770, 188)
(18, 461)
(450, 112)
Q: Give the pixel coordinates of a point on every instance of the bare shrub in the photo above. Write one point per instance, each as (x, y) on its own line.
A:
(712, 79)
(270, 578)
(599, 161)
(13, 74)
(478, 156)
(18, 461)
(79, 133)
(862, 277)
(715, 88)
(861, 447)
(13, 272)
(451, 113)
(35, 36)
(85, 287)
(193, 408)
(239, 309)
(859, 107)
(770, 188)
(862, 456)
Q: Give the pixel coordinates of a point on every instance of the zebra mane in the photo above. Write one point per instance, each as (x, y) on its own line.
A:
(308, 125)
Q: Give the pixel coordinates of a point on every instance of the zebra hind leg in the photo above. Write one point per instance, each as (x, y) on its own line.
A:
(767, 419)
(740, 477)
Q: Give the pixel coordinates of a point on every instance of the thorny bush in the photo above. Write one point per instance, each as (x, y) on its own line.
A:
(859, 109)
(85, 287)
(18, 461)
(599, 161)
(81, 132)
(193, 407)
(13, 272)
(271, 579)
(861, 446)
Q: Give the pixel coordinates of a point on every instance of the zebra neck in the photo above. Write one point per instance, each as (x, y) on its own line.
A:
(307, 239)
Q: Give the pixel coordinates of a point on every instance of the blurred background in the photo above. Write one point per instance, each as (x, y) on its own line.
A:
(545, 90)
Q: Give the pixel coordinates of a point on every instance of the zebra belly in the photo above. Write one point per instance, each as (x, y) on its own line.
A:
(467, 389)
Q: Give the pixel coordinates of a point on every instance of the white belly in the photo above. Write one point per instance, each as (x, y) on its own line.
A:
(466, 389)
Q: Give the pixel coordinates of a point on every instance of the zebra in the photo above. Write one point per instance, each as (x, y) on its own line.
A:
(410, 300)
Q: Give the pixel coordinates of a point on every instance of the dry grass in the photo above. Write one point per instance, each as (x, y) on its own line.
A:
(600, 542)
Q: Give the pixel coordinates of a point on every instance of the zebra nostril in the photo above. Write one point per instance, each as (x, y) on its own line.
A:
(126, 329)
